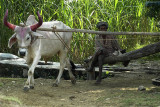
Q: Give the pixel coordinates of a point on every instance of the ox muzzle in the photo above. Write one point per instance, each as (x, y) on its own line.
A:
(22, 52)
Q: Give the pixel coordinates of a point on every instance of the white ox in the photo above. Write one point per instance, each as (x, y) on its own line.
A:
(33, 49)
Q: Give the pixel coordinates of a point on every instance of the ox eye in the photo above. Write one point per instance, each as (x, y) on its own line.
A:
(28, 38)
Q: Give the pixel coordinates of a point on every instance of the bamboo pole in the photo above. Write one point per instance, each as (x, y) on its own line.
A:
(100, 32)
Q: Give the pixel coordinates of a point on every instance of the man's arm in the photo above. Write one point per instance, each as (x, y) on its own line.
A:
(97, 42)
(115, 44)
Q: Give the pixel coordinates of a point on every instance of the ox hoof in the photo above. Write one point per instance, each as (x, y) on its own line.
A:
(73, 81)
(31, 87)
(25, 89)
(55, 85)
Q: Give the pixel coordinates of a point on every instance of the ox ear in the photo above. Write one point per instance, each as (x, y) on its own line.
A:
(12, 40)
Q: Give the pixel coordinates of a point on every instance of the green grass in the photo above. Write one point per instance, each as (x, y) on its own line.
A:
(138, 99)
(1, 84)
(131, 98)
(121, 15)
(10, 98)
(3, 81)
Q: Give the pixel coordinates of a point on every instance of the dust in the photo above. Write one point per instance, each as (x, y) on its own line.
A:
(110, 92)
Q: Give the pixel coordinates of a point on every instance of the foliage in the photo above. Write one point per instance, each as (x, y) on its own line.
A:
(121, 15)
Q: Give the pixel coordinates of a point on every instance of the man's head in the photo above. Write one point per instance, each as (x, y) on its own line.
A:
(102, 26)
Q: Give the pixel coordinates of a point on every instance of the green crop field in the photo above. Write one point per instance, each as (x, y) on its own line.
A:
(121, 15)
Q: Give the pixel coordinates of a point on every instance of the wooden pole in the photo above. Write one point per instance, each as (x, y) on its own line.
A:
(99, 32)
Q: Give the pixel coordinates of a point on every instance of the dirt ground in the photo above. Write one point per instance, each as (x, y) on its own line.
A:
(118, 91)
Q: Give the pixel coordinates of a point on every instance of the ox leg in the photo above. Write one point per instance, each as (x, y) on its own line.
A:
(72, 77)
(31, 86)
(30, 81)
(62, 66)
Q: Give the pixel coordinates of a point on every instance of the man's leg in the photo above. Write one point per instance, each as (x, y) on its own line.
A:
(125, 63)
(100, 63)
(93, 61)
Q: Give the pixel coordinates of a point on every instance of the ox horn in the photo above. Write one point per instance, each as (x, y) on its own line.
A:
(35, 26)
(9, 25)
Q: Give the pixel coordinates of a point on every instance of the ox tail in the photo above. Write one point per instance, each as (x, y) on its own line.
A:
(73, 66)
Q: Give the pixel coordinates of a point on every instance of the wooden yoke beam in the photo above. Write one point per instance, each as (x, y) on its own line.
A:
(99, 32)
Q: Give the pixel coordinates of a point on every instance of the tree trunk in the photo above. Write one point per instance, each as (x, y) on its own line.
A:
(145, 51)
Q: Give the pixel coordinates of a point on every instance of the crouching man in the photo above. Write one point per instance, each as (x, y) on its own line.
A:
(105, 46)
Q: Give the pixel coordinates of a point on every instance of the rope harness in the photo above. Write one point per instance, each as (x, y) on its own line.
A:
(63, 42)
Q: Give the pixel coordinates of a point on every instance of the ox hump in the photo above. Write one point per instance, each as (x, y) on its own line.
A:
(31, 20)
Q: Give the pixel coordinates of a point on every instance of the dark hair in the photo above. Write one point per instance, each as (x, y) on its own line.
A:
(102, 24)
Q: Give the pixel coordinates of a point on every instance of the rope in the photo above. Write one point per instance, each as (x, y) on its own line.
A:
(102, 39)
(63, 42)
